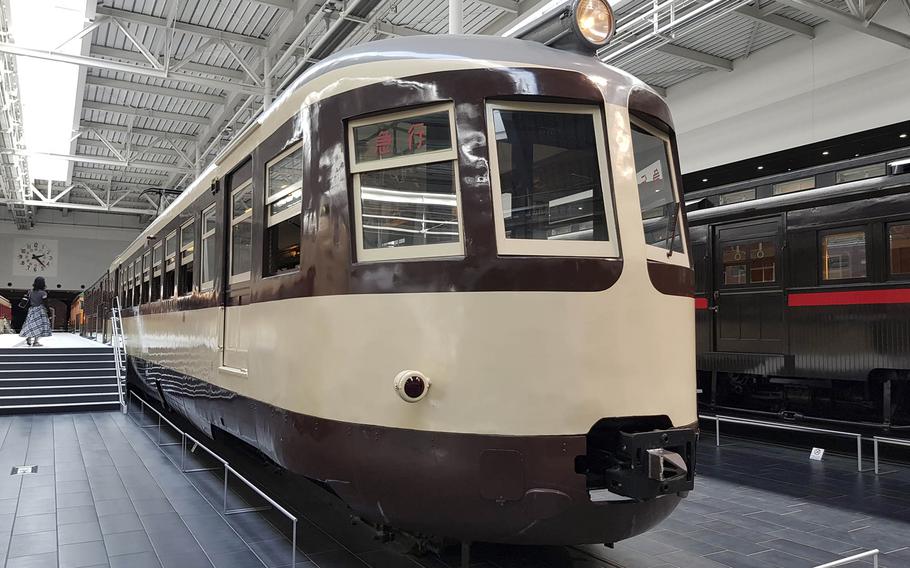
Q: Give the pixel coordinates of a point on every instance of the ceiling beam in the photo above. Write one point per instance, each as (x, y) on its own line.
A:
(283, 4)
(525, 8)
(104, 160)
(126, 15)
(143, 177)
(146, 113)
(124, 55)
(696, 57)
(509, 6)
(84, 207)
(137, 150)
(779, 22)
(153, 90)
(117, 185)
(846, 20)
(87, 61)
(88, 124)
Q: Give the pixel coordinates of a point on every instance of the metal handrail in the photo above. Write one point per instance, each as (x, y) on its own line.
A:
(876, 440)
(791, 427)
(850, 559)
(227, 471)
(119, 351)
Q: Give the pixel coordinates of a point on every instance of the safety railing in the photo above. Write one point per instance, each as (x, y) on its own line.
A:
(851, 559)
(119, 352)
(225, 466)
(876, 440)
(791, 427)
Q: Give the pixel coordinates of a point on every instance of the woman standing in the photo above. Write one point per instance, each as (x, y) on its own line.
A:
(36, 323)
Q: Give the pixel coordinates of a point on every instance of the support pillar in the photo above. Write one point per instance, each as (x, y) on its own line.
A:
(456, 13)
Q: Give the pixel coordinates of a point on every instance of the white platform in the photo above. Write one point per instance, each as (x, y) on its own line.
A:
(70, 340)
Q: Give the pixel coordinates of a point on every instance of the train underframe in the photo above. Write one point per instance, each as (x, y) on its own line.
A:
(883, 399)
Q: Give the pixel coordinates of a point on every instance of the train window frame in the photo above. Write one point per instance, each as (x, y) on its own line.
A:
(246, 215)
(157, 272)
(891, 275)
(821, 257)
(146, 276)
(723, 197)
(538, 247)
(721, 269)
(882, 170)
(137, 280)
(782, 188)
(170, 264)
(271, 220)
(210, 234)
(435, 250)
(655, 252)
(190, 257)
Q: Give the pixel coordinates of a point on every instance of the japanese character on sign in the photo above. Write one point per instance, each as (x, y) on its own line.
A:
(384, 142)
(417, 136)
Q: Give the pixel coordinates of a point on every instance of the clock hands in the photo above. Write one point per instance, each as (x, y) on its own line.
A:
(38, 258)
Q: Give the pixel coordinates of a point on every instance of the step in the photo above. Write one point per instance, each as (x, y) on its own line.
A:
(37, 356)
(58, 390)
(45, 365)
(57, 398)
(99, 378)
(64, 405)
(49, 373)
(56, 350)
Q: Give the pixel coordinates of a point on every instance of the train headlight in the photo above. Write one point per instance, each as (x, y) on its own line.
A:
(594, 21)
(412, 386)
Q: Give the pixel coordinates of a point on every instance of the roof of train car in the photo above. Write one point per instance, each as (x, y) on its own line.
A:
(458, 51)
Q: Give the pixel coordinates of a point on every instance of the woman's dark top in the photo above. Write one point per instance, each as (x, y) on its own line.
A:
(36, 298)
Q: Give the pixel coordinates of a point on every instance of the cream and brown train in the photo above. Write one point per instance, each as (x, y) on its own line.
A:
(422, 278)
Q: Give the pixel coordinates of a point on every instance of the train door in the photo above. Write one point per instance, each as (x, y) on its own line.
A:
(748, 292)
(235, 336)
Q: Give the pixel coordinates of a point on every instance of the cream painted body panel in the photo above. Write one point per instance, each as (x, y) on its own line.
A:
(511, 363)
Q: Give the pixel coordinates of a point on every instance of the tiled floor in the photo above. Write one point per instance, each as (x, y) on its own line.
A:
(106, 495)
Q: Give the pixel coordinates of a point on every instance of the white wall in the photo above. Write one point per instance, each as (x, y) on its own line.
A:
(83, 253)
(795, 92)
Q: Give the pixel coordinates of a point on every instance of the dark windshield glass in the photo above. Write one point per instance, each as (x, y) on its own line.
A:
(549, 176)
(655, 189)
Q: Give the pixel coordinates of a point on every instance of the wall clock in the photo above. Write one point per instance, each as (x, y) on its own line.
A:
(36, 257)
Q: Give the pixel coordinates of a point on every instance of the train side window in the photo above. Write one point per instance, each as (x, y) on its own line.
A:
(736, 196)
(794, 185)
(843, 254)
(283, 197)
(551, 189)
(208, 249)
(137, 282)
(146, 276)
(187, 257)
(862, 172)
(170, 265)
(155, 293)
(752, 262)
(241, 232)
(657, 192)
(899, 249)
(406, 200)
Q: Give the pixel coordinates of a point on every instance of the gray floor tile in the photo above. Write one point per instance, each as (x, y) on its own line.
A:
(141, 560)
(127, 543)
(80, 499)
(120, 523)
(114, 507)
(35, 523)
(33, 543)
(46, 560)
(78, 532)
(76, 515)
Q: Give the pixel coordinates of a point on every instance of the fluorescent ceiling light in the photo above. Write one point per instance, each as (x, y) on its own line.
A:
(47, 88)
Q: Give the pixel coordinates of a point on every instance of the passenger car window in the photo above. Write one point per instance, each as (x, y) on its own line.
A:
(406, 202)
(155, 293)
(795, 185)
(187, 251)
(899, 249)
(284, 194)
(551, 189)
(862, 172)
(737, 196)
(241, 232)
(749, 263)
(843, 255)
(654, 173)
(146, 277)
(170, 265)
(208, 248)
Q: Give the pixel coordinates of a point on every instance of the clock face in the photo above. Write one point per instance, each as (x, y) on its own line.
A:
(35, 256)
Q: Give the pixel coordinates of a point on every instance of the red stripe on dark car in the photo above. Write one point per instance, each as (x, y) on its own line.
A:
(701, 303)
(896, 296)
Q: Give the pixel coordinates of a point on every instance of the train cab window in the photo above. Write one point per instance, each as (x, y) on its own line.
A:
(187, 252)
(170, 265)
(657, 192)
(843, 255)
(552, 193)
(793, 185)
(146, 276)
(406, 202)
(283, 196)
(749, 263)
(736, 196)
(899, 249)
(241, 233)
(208, 249)
(155, 293)
(862, 172)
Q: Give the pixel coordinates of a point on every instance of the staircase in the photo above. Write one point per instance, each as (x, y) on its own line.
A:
(57, 379)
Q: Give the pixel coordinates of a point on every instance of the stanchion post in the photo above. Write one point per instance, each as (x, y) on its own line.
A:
(225, 486)
(875, 453)
(717, 431)
(859, 453)
(294, 543)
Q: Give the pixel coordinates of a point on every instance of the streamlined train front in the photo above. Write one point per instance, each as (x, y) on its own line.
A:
(467, 306)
